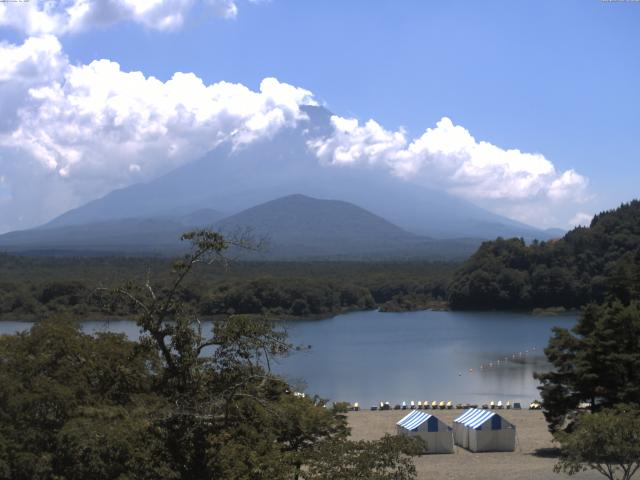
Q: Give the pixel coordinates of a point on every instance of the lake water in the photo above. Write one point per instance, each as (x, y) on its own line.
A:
(373, 356)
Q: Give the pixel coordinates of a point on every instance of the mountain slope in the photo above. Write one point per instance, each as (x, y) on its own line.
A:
(301, 227)
(296, 227)
(129, 235)
(126, 235)
(232, 180)
(586, 265)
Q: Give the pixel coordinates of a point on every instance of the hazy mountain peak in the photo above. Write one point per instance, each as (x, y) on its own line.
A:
(229, 179)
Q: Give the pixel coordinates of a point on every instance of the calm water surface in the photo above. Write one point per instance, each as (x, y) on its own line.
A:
(372, 356)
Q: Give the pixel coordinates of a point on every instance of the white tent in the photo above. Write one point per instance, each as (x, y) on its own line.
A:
(484, 431)
(434, 432)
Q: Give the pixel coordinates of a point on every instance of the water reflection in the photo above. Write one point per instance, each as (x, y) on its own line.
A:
(372, 356)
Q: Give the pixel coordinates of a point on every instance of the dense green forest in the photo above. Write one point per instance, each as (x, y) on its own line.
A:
(36, 287)
(587, 265)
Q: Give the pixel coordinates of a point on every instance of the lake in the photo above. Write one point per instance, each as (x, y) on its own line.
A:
(374, 356)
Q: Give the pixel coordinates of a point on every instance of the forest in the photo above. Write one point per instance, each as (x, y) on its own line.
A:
(589, 264)
(37, 287)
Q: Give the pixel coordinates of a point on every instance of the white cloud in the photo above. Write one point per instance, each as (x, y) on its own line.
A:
(581, 219)
(352, 143)
(448, 156)
(98, 117)
(70, 133)
(568, 186)
(38, 61)
(66, 16)
(95, 127)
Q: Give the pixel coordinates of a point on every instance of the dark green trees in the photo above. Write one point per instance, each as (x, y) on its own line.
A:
(607, 442)
(586, 265)
(32, 288)
(386, 459)
(294, 296)
(76, 406)
(597, 362)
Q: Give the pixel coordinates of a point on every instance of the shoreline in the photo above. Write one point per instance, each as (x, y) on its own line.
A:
(292, 318)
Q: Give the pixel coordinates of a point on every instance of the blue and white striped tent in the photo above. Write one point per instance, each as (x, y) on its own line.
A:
(484, 431)
(437, 435)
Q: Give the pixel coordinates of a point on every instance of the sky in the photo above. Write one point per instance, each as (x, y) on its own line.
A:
(529, 109)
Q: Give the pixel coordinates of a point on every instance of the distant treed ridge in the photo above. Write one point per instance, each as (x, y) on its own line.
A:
(36, 287)
(589, 264)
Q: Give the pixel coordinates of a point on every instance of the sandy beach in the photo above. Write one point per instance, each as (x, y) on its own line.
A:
(531, 460)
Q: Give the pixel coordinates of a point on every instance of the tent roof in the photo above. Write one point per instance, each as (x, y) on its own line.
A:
(475, 417)
(414, 420)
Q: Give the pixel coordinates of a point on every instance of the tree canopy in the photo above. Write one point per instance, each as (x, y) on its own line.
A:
(586, 265)
(32, 288)
(607, 442)
(181, 403)
(597, 362)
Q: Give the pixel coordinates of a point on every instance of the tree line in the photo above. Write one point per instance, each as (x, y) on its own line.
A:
(34, 288)
(589, 264)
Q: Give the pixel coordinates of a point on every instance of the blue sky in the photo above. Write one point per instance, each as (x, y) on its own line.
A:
(556, 78)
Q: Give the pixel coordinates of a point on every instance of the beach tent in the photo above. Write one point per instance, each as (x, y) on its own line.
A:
(484, 431)
(435, 433)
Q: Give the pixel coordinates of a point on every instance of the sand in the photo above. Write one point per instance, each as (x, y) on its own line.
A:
(533, 458)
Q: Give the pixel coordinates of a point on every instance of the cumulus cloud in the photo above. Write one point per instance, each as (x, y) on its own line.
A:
(581, 219)
(569, 185)
(67, 16)
(448, 156)
(38, 61)
(96, 127)
(97, 116)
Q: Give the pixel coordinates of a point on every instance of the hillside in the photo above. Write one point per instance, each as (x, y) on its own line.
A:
(123, 236)
(586, 265)
(295, 227)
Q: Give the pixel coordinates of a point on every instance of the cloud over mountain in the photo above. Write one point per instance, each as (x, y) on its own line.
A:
(96, 119)
(450, 157)
(73, 132)
(91, 128)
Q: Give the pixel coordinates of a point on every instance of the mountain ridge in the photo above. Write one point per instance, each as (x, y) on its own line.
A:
(232, 179)
(297, 227)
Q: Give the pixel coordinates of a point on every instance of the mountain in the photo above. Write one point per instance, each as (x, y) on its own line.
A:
(233, 179)
(585, 265)
(127, 235)
(201, 218)
(298, 226)
(124, 235)
(294, 227)
(298, 219)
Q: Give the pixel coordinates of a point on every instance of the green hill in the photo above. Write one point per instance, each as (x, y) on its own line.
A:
(301, 227)
(587, 264)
